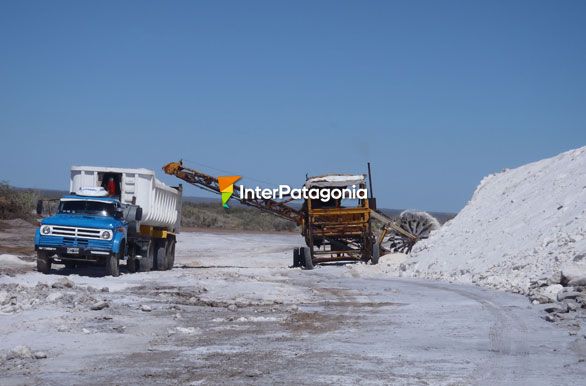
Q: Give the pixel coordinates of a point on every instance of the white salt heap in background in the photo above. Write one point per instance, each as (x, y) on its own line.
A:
(520, 224)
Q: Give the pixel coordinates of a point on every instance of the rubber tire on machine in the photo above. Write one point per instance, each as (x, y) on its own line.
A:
(146, 263)
(43, 262)
(113, 265)
(306, 254)
(170, 251)
(296, 258)
(161, 257)
(375, 254)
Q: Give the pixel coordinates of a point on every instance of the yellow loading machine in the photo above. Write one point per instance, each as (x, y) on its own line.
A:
(332, 231)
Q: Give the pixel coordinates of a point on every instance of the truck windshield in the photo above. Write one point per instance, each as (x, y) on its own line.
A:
(87, 207)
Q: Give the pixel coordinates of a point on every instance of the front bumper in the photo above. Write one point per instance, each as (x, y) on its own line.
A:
(65, 253)
(65, 246)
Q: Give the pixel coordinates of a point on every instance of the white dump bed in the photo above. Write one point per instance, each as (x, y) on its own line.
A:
(160, 203)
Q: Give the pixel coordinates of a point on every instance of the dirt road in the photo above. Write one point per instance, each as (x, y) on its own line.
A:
(232, 312)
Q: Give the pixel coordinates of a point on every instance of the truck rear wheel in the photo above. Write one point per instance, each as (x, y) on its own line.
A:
(170, 254)
(112, 265)
(161, 259)
(43, 262)
(146, 262)
(131, 264)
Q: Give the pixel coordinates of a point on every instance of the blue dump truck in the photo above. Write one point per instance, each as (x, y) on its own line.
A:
(111, 215)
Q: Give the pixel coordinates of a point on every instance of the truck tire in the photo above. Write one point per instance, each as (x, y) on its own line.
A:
(112, 265)
(131, 264)
(161, 258)
(43, 262)
(170, 254)
(146, 263)
(307, 259)
(375, 254)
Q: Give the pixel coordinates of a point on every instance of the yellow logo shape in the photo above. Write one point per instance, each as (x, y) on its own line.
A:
(227, 187)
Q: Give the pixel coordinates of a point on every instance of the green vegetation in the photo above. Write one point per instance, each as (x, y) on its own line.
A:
(212, 215)
(16, 203)
(21, 203)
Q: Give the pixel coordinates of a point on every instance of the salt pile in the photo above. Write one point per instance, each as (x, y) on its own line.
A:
(520, 225)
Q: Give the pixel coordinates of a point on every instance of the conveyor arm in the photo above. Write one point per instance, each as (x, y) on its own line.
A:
(211, 184)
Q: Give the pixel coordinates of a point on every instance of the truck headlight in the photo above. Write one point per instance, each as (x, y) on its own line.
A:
(46, 230)
(106, 235)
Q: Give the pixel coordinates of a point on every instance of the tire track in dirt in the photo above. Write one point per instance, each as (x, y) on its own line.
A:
(507, 339)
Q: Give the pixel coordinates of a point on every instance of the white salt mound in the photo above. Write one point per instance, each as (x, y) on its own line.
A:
(520, 224)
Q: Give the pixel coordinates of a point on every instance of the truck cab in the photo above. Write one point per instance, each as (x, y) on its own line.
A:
(89, 227)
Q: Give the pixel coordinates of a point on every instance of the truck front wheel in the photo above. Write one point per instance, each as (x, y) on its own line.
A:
(43, 262)
(112, 267)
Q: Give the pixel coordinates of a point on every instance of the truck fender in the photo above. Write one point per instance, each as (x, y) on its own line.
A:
(118, 241)
(37, 237)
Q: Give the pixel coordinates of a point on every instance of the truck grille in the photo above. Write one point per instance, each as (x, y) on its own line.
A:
(86, 233)
(58, 241)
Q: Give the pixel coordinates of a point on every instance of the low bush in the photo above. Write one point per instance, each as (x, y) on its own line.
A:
(212, 215)
(16, 203)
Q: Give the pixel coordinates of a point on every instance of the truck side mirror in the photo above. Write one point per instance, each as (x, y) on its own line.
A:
(138, 215)
(39, 207)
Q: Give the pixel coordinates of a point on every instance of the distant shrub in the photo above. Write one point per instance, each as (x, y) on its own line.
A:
(208, 215)
(16, 203)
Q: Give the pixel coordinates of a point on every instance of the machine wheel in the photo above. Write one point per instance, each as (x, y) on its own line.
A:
(112, 265)
(307, 257)
(146, 263)
(297, 258)
(419, 224)
(375, 253)
(43, 262)
(161, 257)
(170, 251)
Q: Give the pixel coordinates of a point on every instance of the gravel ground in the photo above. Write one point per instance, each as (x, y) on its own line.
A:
(232, 312)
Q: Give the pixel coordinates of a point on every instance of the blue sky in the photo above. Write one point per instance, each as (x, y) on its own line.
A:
(436, 94)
